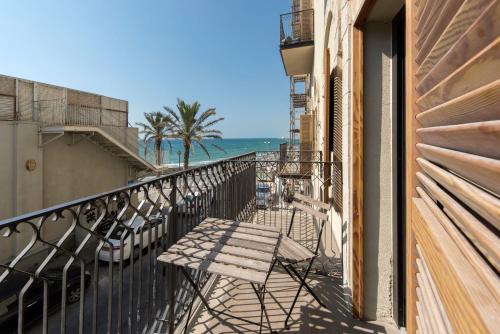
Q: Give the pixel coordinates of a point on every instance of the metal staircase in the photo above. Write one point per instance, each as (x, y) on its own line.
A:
(102, 138)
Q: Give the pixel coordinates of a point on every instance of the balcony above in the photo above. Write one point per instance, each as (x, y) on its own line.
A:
(297, 41)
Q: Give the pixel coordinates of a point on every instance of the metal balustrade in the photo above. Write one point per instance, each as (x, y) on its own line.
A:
(59, 113)
(89, 265)
(296, 27)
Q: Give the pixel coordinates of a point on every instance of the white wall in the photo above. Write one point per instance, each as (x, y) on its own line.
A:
(333, 30)
(336, 34)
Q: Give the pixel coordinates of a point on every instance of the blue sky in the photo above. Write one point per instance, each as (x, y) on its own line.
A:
(224, 53)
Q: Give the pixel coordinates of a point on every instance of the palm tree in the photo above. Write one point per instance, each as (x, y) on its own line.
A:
(193, 127)
(156, 129)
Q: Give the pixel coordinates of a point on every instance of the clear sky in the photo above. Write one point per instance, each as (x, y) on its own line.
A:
(223, 53)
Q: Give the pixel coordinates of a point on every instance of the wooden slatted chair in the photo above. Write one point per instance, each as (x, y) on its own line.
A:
(291, 253)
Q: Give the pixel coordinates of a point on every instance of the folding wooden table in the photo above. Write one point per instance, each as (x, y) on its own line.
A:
(229, 248)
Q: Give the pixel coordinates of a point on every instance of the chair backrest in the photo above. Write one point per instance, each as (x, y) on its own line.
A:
(313, 212)
(312, 201)
(321, 216)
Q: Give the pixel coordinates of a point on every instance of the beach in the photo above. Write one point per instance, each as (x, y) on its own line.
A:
(231, 146)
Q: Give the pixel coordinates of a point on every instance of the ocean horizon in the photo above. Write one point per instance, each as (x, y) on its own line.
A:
(232, 147)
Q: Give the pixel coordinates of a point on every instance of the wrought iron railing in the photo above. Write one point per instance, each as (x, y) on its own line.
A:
(108, 244)
(89, 266)
(297, 27)
(282, 174)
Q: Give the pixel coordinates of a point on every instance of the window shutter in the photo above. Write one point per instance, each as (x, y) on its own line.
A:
(454, 157)
(306, 143)
(327, 126)
(336, 138)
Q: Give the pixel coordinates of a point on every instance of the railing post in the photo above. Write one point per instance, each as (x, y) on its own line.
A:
(172, 271)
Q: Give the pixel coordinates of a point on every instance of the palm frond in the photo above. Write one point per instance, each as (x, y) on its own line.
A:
(209, 131)
(212, 137)
(203, 147)
(204, 116)
(218, 147)
(215, 121)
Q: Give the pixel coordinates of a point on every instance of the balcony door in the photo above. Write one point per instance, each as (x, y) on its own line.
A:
(399, 91)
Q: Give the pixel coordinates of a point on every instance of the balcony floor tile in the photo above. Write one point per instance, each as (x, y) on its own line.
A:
(237, 298)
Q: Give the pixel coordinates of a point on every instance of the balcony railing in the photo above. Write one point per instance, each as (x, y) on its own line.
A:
(296, 27)
(89, 266)
(58, 113)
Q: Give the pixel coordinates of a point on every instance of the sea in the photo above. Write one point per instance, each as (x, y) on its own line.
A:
(173, 156)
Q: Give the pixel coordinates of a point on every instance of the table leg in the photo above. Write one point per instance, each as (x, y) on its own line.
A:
(192, 302)
(213, 312)
(261, 292)
(196, 289)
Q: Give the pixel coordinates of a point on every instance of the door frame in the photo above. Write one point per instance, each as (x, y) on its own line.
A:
(357, 166)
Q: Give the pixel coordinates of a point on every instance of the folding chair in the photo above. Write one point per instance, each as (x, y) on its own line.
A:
(291, 253)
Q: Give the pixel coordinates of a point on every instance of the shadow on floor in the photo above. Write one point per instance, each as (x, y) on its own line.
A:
(237, 298)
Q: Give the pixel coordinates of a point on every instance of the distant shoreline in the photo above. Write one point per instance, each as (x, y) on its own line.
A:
(232, 147)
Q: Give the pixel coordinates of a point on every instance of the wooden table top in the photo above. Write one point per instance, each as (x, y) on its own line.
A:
(225, 247)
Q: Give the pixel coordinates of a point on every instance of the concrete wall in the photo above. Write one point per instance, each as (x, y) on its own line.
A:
(67, 168)
(19, 143)
(64, 170)
(81, 169)
(21, 190)
(378, 171)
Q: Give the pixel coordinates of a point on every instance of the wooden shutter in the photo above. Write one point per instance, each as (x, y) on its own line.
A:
(336, 137)
(453, 85)
(326, 125)
(306, 131)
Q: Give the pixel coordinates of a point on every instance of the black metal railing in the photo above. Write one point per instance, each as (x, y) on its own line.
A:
(90, 265)
(108, 244)
(297, 27)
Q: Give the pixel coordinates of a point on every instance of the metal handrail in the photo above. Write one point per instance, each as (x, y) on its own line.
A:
(150, 296)
(166, 207)
(69, 204)
(296, 27)
(298, 12)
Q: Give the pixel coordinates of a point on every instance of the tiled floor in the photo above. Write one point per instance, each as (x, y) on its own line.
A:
(238, 299)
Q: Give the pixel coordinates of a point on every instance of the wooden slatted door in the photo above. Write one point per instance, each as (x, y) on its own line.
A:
(453, 249)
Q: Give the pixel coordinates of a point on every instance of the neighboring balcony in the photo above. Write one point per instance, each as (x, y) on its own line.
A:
(297, 41)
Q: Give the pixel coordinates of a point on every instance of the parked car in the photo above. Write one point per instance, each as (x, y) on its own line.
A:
(139, 228)
(11, 287)
(263, 196)
(197, 204)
